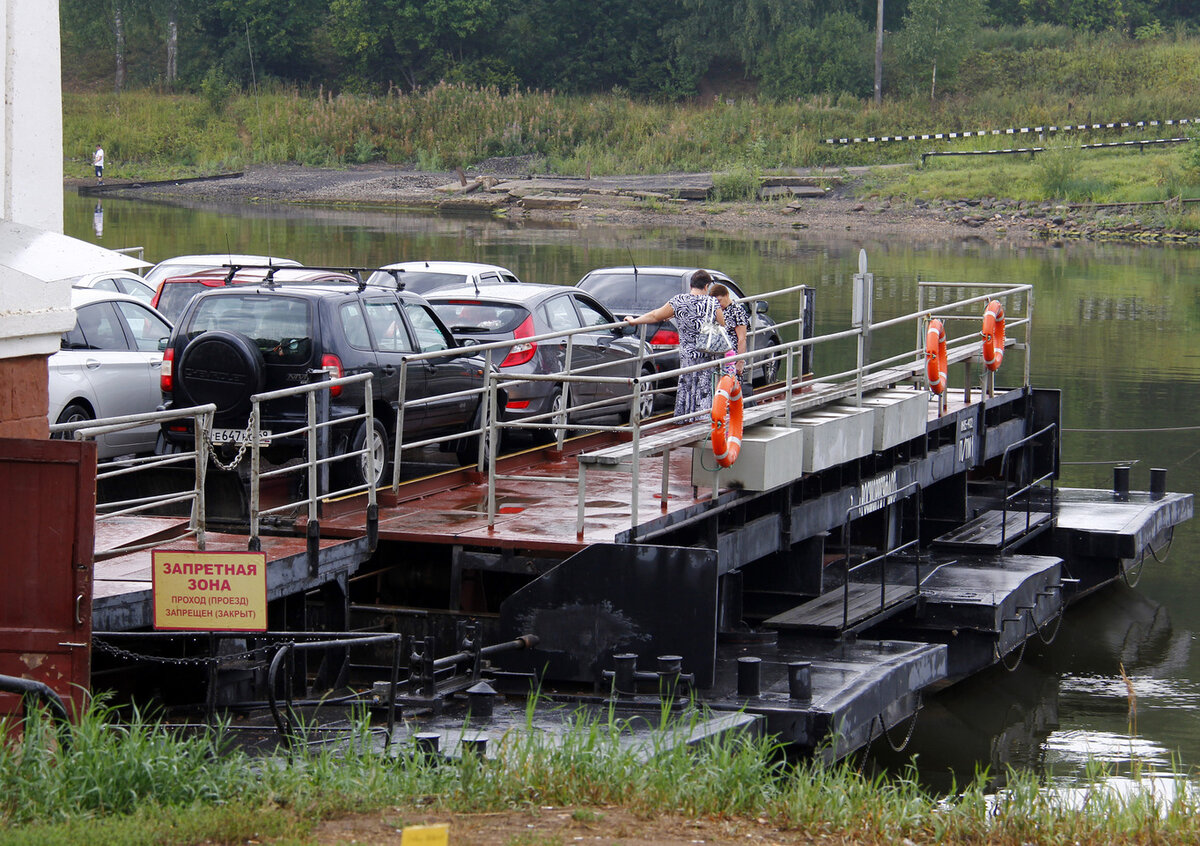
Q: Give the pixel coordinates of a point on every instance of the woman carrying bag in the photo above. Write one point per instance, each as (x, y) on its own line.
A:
(689, 311)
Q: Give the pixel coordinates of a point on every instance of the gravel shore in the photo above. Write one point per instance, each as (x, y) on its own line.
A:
(821, 203)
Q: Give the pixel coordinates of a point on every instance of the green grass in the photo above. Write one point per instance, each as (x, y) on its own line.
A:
(137, 781)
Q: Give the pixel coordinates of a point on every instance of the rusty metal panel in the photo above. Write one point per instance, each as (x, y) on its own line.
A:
(47, 519)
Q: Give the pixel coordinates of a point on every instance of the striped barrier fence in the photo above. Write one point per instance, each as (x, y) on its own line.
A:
(1024, 130)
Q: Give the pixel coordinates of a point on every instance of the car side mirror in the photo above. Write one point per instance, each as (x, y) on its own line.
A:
(761, 306)
(624, 330)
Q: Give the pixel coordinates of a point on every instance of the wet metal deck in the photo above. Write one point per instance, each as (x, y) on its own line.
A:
(1104, 523)
(123, 588)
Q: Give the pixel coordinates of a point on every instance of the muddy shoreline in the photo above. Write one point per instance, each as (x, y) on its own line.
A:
(817, 202)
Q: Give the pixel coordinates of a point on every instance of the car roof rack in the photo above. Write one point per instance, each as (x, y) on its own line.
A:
(361, 274)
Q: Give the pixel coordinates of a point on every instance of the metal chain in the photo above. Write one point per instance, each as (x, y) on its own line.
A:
(242, 447)
(202, 661)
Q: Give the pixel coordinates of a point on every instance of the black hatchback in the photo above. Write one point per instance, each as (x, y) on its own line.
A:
(231, 343)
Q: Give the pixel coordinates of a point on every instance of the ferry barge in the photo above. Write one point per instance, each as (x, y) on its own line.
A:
(885, 531)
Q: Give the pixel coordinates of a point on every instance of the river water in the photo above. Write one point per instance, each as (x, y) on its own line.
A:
(1114, 330)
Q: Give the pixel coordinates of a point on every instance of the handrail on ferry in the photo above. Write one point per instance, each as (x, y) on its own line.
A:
(1029, 487)
(886, 500)
(316, 461)
(201, 416)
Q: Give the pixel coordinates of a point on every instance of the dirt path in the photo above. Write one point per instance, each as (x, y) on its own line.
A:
(503, 188)
(558, 826)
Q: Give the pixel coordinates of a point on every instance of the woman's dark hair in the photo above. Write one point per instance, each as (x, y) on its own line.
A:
(718, 290)
(700, 280)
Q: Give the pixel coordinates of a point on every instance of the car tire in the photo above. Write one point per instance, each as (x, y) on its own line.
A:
(237, 361)
(354, 468)
(74, 413)
(648, 399)
(770, 368)
(466, 450)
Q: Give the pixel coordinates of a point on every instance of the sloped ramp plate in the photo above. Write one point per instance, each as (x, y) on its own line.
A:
(993, 530)
(839, 611)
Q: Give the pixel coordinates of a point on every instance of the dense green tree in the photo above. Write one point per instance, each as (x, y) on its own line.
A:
(834, 56)
(938, 34)
(414, 42)
(596, 45)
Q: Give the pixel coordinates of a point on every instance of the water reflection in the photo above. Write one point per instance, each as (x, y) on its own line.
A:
(1066, 706)
(1115, 330)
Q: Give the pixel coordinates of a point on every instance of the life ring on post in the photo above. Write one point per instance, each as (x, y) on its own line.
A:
(993, 335)
(727, 421)
(935, 356)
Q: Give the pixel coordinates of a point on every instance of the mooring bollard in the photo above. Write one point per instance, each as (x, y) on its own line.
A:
(1158, 482)
(800, 680)
(481, 701)
(749, 676)
(1121, 480)
(625, 673)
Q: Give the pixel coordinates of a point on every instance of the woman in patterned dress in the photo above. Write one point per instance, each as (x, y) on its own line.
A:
(737, 324)
(694, 394)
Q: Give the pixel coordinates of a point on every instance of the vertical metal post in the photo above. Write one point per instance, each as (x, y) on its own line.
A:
(487, 420)
(201, 427)
(789, 374)
(636, 437)
(862, 315)
(560, 420)
(491, 496)
(255, 544)
(313, 477)
(1028, 333)
(403, 391)
(582, 497)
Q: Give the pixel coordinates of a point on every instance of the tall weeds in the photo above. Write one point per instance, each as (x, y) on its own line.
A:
(1018, 79)
(139, 780)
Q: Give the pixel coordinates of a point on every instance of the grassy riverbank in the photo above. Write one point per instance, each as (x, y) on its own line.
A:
(135, 782)
(1014, 78)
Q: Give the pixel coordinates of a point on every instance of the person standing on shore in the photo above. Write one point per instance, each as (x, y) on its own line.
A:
(694, 393)
(98, 163)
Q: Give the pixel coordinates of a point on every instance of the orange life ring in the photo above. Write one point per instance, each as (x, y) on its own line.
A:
(935, 356)
(993, 335)
(727, 421)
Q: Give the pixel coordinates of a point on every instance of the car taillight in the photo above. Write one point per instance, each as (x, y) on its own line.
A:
(664, 338)
(521, 353)
(517, 405)
(166, 380)
(332, 365)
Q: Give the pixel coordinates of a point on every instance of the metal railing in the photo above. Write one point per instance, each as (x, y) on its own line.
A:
(1026, 490)
(900, 496)
(317, 457)
(198, 457)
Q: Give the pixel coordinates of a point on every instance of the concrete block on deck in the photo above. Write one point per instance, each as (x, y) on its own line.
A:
(834, 434)
(900, 416)
(770, 457)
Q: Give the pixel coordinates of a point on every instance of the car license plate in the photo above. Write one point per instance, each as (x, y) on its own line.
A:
(237, 436)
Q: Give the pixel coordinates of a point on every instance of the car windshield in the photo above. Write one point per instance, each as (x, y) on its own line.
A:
(632, 292)
(473, 317)
(419, 281)
(175, 296)
(279, 326)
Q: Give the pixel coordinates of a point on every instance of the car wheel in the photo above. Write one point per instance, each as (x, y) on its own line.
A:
(379, 445)
(770, 369)
(646, 400)
(467, 449)
(224, 368)
(73, 413)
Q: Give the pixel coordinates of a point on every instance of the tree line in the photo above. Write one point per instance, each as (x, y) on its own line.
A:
(665, 49)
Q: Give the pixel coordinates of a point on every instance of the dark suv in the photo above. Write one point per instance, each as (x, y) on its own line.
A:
(233, 342)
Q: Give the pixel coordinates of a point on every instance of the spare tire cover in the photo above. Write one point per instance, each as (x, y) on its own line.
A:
(224, 368)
